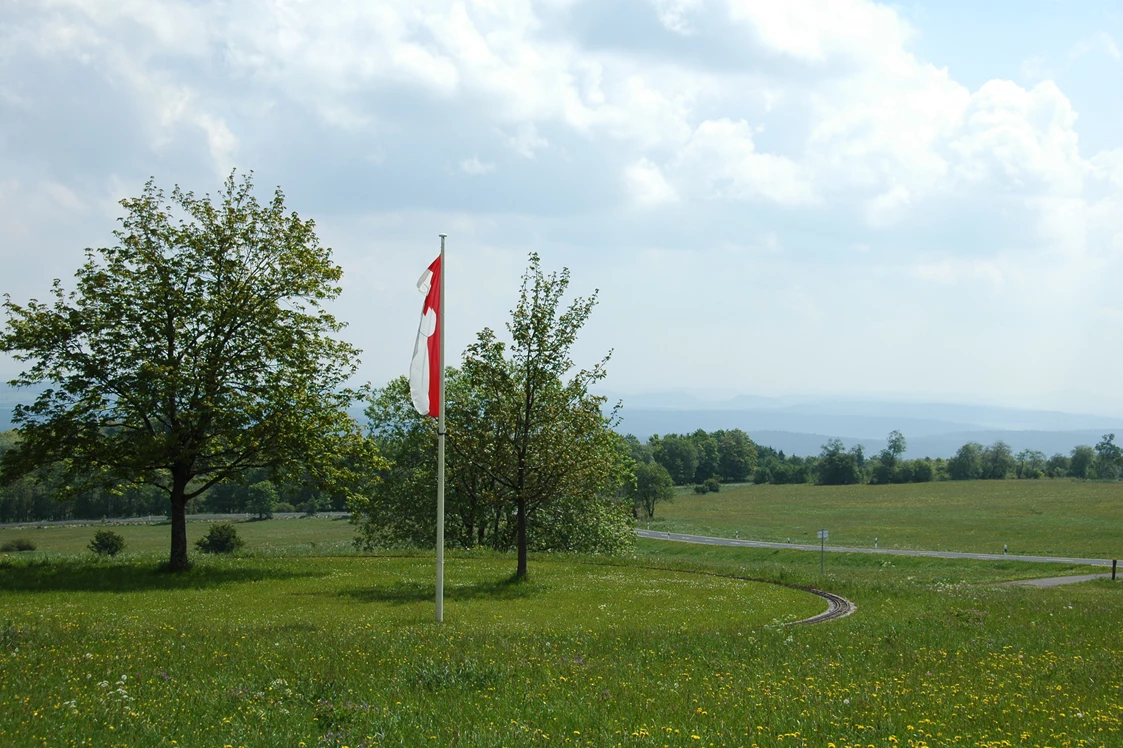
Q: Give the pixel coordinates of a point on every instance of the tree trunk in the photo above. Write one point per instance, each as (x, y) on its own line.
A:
(495, 532)
(178, 560)
(520, 573)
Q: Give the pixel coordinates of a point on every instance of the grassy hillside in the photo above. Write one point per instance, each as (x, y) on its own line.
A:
(670, 646)
(1047, 517)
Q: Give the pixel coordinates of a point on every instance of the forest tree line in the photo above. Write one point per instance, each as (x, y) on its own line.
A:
(33, 498)
(702, 459)
(731, 456)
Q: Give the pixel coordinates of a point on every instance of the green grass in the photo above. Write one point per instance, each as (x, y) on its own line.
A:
(288, 536)
(669, 646)
(329, 651)
(1045, 517)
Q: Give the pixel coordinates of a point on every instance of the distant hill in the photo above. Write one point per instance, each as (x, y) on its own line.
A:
(643, 423)
(801, 426)
(931, 429)
(943, 445)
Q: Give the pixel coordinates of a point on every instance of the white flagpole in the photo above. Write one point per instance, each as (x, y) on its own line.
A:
(441, 449)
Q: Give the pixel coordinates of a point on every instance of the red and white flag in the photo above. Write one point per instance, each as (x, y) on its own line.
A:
(425, 369)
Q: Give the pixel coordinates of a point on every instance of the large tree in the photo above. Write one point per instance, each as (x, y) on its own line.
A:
(195, 349)
(678, 454)
(836, 466)
(736, 455)
(550, 448)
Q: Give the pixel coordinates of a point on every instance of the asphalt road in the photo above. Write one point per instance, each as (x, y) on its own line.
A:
(705, 540)
(1055, 581)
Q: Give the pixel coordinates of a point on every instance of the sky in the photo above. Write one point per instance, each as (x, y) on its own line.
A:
(917, 201)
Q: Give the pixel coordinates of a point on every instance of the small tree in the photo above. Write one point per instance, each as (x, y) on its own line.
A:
(221, 538)
(550, 444)
(107, 543)
(262, 499)
(1109, 457)
(1082, 463)
(653, 486)
(1031, 463)
(1058, 466)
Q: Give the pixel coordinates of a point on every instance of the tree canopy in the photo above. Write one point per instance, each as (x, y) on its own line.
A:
(194, 350)
(532, 462)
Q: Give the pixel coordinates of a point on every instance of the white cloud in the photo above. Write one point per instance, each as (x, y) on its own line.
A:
(1021, 139)
(956, 271)
(814, 31)
(647, 186)
(24, 206)
(526, 140)
(721, 160)
(813, 121)
(1099, 42)
(675, 14)
(475, 167)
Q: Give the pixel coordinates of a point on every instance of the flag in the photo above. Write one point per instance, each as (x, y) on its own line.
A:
(425, 369)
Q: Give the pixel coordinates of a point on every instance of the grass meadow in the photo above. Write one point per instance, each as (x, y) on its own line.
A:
(1057, 517)
(290, 644)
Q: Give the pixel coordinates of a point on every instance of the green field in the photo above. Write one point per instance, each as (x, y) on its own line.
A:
(1045, 517)
(672, 645)
(285, 536)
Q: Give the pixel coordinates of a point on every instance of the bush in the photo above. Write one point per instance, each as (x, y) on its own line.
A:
(283, 507)
(713, 485)
(700, 488)
(22, 544)
(107, 543)
(220, 539)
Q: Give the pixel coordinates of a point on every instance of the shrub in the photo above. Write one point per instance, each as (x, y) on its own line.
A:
(713, 485)
(107, 543)
(220, 539)
(700, 488)
(283, 507)
(22, 544)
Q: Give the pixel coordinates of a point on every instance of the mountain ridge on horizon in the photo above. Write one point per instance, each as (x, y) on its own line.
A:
(800, 425)
(682, 399)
